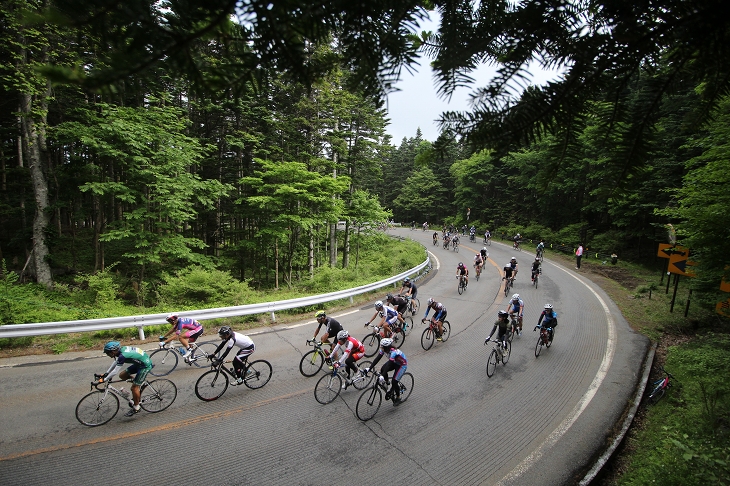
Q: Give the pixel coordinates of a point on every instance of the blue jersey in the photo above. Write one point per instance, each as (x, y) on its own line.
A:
(515, 306)
(397, 356)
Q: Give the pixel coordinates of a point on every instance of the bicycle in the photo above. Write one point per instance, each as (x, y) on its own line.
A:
(545, 338)
(535, 277)
(165, 359)
(509, 282)
(462, 284)
(472, 238)
(372, 340)
(446, 243)
(413, 305)
(478, 271)
(660, 387)
(455, 245)
(370, 400)
(313, 360)
(513, 327)
(540, 254)
(435, 241)
(329, 386)
(488, 241)
(500, 352)
(101, 405)
(213, 384)
(431, 333)
(516, 245)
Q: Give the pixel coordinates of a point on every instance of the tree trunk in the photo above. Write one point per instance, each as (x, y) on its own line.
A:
(310, 255)
(346, 246)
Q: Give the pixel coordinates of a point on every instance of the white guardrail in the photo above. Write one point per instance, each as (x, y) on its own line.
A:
(62, 327)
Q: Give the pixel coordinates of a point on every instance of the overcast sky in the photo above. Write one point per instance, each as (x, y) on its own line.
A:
(417, 105)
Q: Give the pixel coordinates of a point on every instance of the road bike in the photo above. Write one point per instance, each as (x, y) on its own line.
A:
(413, 305)
(516, 245)
(540, 253)
(313, 360)
(102, 404)
(213, 384)
(660, 387)
(514, 327)
(165, 359)
(446, 243)
(488, 241)
(472, 238)
(435, 241)
(372, 340)
(536, 277)
(478, 271)
(431, 333)
(545, 339)
(462, 284)
(509, 282)
(455, 245)
(329, 386)
(500, 353)
(370, 400)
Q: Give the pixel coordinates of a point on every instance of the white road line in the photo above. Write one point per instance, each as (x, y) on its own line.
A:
(582, 404)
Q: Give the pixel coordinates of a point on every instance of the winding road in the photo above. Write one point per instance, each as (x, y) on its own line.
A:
(536, 421)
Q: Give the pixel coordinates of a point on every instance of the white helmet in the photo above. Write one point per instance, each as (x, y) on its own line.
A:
(379, 304)
(343, 335)
(485, 248)
(548, 306)
(430, 301)
(516, 297)
(386, 343)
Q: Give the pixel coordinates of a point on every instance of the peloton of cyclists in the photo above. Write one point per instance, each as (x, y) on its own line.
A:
(550, 318)
(439, 314)
(352, 351)
(462, 271)
(516, 306)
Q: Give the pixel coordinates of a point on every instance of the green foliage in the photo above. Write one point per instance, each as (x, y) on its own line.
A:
(198, 285)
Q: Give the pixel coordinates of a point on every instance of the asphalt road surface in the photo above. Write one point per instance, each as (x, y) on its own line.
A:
(536, 421)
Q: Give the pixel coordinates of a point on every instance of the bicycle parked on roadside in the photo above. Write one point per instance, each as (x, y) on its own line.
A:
(102, 404)
(329, 386)
(660, 387)
(165, 359)
(313, 360)
(500, 353)
(546, 338)
(213, 384)
(431, 333)
(370, 400)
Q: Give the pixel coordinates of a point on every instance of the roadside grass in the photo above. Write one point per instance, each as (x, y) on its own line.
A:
(685, 438)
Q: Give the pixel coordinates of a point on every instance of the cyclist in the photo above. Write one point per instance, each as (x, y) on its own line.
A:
(503, 324)
(400, 304)
(435, 237)
(516, 306)
(517, 239)
(398, 362)
(246, 347)
(508, 272)
(389, 316)
(487, 236)
(550, 317)
(478, 263)
(352, 350)
(332, 327)
(455, 240)
(485, 253)
(515, 267)
(462, 271)
(193, 330)
(472, 232)
(439, 314)
(463, 230)
(535, 267)
(140, 366)
(540, 248)
(412, 291)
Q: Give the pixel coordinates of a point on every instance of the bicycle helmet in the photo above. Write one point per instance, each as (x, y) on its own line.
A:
(548, 307)
(461, 265)
(343, 335)
(537, 259)
(379, 304)
(485, 248)
(406, 280)
(225, 332)
(513, 259)
(501, 314)
(171, 317)
(430, 300)
(386, 343)
(389, 297)
(516, 297)
(320, 314)
(112, 346)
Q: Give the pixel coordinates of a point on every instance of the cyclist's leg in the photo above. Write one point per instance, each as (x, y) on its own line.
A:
(239, 362)
(395, 386)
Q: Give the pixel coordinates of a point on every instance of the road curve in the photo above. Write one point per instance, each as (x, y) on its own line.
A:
(536, 421)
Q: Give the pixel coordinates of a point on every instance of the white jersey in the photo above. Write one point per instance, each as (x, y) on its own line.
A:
(240, 340)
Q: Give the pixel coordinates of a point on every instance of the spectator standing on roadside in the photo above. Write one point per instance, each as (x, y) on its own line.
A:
(578, 256)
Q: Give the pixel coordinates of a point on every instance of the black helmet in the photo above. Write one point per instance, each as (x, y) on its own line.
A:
(225, 332)
(406, 280)
(502, 314)
(389, 297)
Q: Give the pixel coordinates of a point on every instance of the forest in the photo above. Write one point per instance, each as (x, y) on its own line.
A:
(206, 134)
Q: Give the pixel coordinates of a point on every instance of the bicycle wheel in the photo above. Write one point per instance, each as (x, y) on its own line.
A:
(398, 337)
(328, 388)
(96, 409)
(535, 280)
(505, 353)
(360, 382)
(655, 396)
(409, 325)
(427, 338)
(200, 355)
(311, 363)
(506, 287)
(548, 341)
(164, 361)
(478, 275)
(492, 363)
(369, 403)
(158, 395)
(415, 305)
(258, 374)
(538, 346)
(445, 331)
(371, 343)
(461, 287)
(211, 385)
(456, 248)
(406, 386)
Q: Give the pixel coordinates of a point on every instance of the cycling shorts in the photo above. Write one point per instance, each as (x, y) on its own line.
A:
(140, 374)
(193, 334)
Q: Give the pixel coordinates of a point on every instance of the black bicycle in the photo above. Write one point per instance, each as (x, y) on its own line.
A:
(500, 353)
(213, 384)
(370, 400)
(545, 340)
